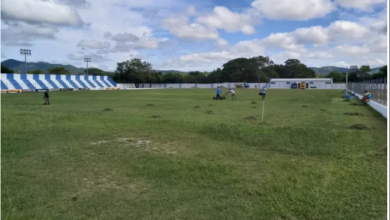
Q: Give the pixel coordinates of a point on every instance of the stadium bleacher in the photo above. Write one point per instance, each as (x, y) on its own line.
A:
(51, 81)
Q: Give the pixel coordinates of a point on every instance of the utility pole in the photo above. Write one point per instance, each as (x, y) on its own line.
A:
(87, 60)
(26, 53)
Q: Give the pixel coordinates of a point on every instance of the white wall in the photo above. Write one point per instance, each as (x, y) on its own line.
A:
(378, 107)
(277, 85)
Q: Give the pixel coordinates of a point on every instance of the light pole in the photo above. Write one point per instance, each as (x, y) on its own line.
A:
(346, 78)
(26, 53)
(87, 60)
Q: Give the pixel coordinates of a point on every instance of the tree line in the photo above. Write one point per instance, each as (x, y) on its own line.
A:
(358, 75)
(255, 69)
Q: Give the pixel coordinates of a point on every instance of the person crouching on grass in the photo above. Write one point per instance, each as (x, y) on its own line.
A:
(46, 96)
(366, 98)
(233, 94)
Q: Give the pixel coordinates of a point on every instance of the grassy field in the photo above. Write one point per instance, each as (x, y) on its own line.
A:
(178, 154)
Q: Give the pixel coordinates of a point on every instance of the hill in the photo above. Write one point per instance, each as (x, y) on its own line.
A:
(327, 69)
(18, 66)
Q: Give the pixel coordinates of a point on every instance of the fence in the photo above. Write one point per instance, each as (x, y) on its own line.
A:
(377, 88)
(203, 85)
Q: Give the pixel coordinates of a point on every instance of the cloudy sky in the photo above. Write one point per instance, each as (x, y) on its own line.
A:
(195, 35)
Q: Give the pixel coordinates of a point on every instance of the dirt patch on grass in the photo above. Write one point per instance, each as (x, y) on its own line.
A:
(209, 112)
(125, 139)
(108, 109)
(382, 152)
(361, 127)
(253, 102)
(197, 106)
(99, 142)
(250, 118)
(353, 113)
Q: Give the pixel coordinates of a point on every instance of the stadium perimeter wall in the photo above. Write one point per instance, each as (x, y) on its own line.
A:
(203, 85)
(382, 109)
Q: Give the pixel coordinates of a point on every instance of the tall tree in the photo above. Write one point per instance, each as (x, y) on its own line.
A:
(214, 76)
(364, 73)
(133, 71)
(95, 71)
(337, 76)
(365, 69)
(58, 70)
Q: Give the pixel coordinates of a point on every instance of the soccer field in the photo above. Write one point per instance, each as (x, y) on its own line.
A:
(178, 154)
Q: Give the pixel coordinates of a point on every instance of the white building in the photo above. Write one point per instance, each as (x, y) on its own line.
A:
(309, 83)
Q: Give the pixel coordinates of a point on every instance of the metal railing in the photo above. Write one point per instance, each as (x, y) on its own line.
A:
(377, 88)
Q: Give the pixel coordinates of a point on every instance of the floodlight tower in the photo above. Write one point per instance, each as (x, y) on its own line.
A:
(87, 60)
(26, 53)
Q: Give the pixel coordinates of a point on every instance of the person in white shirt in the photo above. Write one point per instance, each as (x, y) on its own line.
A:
(263, 92)
(233, 94)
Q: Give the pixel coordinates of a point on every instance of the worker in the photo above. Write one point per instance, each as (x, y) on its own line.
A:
(366, 98)
(233, 94)
(263, 92)
(46, 97)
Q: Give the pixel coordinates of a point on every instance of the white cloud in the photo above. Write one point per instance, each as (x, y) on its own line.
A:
(294, 10)
(36, 11)
(346, 29)
(95, 58)
(342, 64)
(22, 33)
(378, 45)
(222, 42)
(315, 35)
(179, 27)
(124, 37)
(126, 42)
(359, 4)
(93, 44)
(281, 40)
(223, 18)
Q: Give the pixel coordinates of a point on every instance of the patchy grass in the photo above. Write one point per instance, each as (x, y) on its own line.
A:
(70, 160)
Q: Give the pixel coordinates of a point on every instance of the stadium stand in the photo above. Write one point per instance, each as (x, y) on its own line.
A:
(51, 81)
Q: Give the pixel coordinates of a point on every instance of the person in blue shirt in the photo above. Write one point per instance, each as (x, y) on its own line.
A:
(219, 91)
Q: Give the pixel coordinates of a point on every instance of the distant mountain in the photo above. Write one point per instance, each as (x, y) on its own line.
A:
(327, 69)
(18, 66)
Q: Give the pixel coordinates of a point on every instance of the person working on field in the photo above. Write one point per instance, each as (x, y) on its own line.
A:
(46, 96)
(233, 94)
(218, 93)
(263, 92)
(366, 98)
